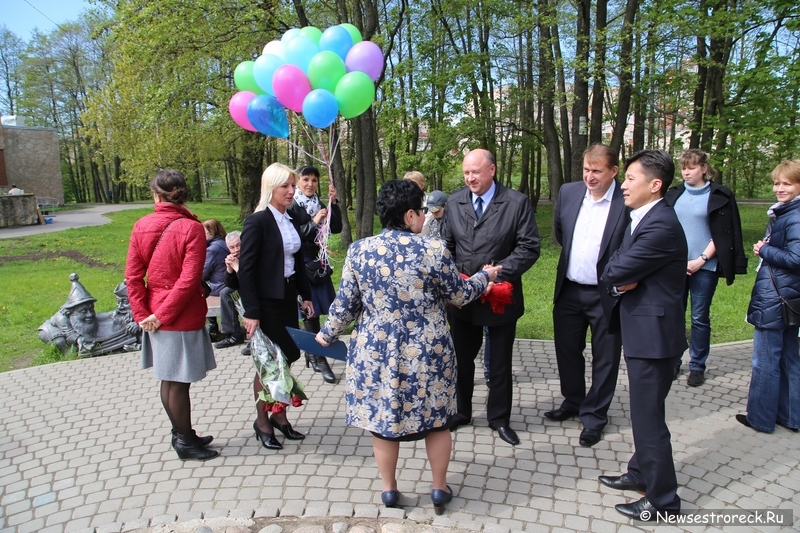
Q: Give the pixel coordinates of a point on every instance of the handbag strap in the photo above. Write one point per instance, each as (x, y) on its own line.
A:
(774, 283)
(161, 237)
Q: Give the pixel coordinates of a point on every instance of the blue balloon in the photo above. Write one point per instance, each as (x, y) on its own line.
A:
(320, 108)
(336, 39)
(263, 69)
(290, 34)
(299, 52)
(268, 116)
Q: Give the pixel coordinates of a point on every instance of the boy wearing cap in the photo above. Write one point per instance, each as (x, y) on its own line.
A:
(433, 220)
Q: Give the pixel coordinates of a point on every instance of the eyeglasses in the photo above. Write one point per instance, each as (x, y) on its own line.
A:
(423, 209)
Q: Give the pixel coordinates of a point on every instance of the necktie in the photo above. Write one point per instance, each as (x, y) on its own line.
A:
(479, 207)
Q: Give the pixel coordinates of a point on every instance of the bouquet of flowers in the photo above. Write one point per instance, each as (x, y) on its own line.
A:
(281, 389)
(499, 296)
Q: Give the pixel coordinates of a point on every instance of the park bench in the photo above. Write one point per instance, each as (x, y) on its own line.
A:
(213, 306)
(46, 204)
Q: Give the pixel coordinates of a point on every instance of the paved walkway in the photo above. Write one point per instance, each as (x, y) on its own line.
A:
(78, 218)
(85, 447)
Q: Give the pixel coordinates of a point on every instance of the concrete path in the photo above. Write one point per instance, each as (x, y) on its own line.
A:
(85, 447)
(78, 218)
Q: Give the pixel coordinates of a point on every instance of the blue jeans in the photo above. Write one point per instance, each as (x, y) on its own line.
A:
(775, 384)
(701, 285)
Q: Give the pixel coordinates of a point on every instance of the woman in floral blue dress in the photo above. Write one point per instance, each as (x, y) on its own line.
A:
(401, 367)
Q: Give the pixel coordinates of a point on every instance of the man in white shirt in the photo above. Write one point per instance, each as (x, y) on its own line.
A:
(589, 222)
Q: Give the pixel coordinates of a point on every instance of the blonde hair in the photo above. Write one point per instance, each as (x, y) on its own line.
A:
(789, 169)
(417, 177)
(273, 177)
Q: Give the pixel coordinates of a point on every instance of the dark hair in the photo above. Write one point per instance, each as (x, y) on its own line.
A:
(170, 186)
(395, 198)
(308, 169)
(601, 152)
(215, 228)
(655, 164)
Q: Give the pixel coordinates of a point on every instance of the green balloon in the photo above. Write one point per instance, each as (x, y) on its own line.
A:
(312, 32)
(325, 70)
(243, 78)
(353, 31)
(354, 93)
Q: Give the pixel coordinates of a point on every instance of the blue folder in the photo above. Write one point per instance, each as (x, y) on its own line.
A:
(306, 341)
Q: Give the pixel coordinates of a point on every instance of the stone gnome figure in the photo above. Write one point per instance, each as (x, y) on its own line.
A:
(76, 325)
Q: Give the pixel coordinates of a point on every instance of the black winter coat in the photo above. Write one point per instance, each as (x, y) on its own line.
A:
(725, 226)
(781, 255)
(308, 229)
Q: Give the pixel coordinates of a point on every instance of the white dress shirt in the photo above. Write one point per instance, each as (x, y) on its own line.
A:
(638, 214)
(586, 237)
(290, 237)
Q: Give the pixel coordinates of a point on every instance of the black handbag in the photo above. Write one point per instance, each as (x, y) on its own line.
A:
(317, 273)
(789, 308)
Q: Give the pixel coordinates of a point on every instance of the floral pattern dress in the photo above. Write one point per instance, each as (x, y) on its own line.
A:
(401, 366)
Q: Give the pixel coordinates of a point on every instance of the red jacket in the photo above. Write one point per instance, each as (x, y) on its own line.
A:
(172, 290)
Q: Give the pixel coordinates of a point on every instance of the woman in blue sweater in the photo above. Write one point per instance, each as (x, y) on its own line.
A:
(774, 396)
(710, 219)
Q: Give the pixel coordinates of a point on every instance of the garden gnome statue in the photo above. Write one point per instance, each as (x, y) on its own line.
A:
(76, 325)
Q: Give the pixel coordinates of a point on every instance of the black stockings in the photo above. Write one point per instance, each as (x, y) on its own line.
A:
(175, 398)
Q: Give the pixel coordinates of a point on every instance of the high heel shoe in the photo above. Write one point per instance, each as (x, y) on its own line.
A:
(202, 441)
(286, 429)
(390, 498)
(311, 361)
(188, 448)
(325, 369)
(441, 497)
(268, 440)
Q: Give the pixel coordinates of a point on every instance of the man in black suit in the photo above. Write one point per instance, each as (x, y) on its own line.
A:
(485, 223)
(648, 274)
(589, 223)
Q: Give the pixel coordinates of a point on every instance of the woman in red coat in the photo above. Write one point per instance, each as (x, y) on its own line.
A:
(168, 248)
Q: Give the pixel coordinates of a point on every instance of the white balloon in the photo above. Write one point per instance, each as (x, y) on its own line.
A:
(275, 48)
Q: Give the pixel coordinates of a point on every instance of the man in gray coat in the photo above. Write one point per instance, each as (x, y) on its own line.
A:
(486, 223)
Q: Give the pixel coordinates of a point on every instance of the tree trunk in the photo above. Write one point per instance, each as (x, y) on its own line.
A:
(547, 83)
(580, 105)
(625, 79)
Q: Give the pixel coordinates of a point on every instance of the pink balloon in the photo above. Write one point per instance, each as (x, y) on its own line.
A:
(238, 109)
(291, 86)
(365, 57)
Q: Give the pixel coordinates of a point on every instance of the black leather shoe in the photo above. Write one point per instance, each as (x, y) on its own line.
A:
(459, 420)
(793, 430)
(233, 340)
(642, 510)
(188, 448)
(560, 414)
(268, 440)
(589, 437)
(507, 434)
(287, 430)
(202, 441)
(325, 369)
(623, 482)
(246, 350)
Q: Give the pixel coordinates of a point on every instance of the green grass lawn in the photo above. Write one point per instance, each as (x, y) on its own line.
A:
(35, 272)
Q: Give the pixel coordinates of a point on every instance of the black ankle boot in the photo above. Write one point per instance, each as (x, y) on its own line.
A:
(204, 441)
(324, 368)
(311, 360)
(188, 447)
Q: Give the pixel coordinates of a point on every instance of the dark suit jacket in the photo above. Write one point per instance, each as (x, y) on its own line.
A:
(261, 263)
(652, 315)
(570, 198)
(506, 234)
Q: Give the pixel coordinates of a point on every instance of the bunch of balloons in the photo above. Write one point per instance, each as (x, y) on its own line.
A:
(320, 74)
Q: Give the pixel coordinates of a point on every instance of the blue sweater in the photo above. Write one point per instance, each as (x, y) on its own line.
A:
(692, 211)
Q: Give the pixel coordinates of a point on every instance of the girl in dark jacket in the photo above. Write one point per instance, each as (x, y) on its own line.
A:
(774, 396)
(310, 213)
(168, 249)
(710, 219)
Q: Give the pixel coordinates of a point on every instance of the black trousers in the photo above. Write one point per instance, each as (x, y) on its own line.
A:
(579, 308)
(467, 340)
(649, 381)
(276, 315)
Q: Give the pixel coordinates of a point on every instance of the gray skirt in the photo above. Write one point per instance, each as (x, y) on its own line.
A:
(182, 356)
